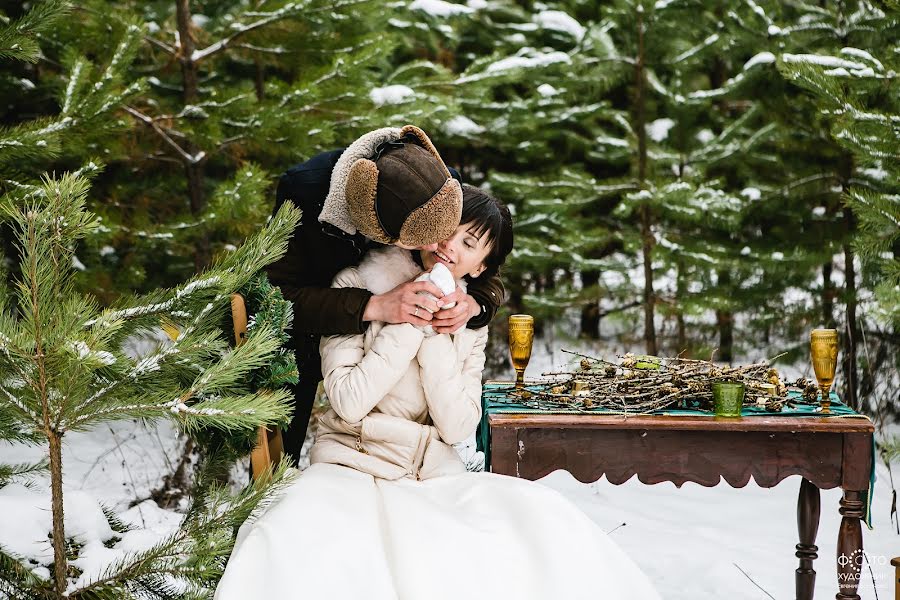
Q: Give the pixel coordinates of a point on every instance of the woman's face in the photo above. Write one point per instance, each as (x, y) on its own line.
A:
(463, 253)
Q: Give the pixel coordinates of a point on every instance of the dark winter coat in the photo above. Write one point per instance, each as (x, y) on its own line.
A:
(317, 252)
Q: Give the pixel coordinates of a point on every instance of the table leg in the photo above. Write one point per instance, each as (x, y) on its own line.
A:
(849, 546)
(808, 509)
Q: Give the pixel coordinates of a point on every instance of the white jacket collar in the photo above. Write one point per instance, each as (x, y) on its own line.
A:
(335, 210)
(383, 269)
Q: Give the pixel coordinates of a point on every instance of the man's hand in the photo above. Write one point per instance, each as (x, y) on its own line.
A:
(451, 320)
(404, 304)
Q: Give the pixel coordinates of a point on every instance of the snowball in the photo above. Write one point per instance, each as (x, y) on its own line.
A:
(107, 250)
(819, 211)
(557, 20)
(440, 276)
(460, 125)
(392, 94)
(439, 8)
(658, 130)
(745, 251)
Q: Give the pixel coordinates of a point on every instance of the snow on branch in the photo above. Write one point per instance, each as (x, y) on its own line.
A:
(264, 18)
(74, 76)
(110, 317)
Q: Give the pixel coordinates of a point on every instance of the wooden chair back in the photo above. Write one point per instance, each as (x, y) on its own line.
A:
(269, 446)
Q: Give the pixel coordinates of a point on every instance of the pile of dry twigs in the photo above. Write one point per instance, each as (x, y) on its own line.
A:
(642, 384)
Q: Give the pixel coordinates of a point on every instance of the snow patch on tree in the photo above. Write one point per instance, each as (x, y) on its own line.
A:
(546, 90)
(763, 58)
(558, 20)
(821, 60)
(391, 94)
(521, 61)
(751, 193)
(460, 125)
(705, 136)
(658, 130)
(439, 8)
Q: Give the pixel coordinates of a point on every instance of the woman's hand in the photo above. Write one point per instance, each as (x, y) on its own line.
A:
(451, 320)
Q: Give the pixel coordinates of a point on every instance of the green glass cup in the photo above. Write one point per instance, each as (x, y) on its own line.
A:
(728, 398)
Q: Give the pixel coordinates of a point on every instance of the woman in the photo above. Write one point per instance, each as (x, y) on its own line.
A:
(387, 511)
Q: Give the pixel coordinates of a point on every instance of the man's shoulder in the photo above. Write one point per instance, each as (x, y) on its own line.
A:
(324, 161)
(306, 181)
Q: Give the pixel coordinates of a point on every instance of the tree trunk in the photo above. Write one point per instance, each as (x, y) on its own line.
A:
(827, 295)
(647, 240)
(259, 80)
(590, 311)
(851, 334)
(186, 51)
(194, 171)
(59, 530)
(725, 322)
(680, 291)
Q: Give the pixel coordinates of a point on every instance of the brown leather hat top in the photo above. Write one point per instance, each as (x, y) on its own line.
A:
(406, 194)
(408, 177)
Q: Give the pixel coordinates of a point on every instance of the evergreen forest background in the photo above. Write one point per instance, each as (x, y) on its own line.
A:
(704, 178)
(685, 176)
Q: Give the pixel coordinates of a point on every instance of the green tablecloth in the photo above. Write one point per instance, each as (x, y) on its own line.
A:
(494, 400)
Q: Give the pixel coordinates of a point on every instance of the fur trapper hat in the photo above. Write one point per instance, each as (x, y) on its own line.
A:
(406, 194)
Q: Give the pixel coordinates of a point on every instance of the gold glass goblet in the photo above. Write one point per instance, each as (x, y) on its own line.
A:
(521, 338)
(823, 346)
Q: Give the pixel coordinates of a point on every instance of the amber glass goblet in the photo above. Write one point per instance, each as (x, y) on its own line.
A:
(823, 347)
(521, 338)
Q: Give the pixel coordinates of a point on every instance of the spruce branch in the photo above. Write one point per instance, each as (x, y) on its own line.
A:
(18, 39)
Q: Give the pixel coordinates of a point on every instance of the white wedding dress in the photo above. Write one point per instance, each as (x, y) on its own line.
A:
(341, 534)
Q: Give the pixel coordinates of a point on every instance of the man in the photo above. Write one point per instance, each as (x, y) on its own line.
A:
(390, 186)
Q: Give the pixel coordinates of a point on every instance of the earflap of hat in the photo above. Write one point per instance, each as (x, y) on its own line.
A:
(362, 186)
(435, 220)
(426, 143)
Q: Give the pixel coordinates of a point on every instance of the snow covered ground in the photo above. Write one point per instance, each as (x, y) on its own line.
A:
(693, 542)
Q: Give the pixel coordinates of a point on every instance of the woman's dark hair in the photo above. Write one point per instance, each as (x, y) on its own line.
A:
(485, 215)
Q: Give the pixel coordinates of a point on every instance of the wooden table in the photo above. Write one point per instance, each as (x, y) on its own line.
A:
(826, 451)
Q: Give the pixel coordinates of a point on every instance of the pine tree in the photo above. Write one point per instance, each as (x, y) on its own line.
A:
(67, 372)
(222, 98)
(61, 355)
(851, 89)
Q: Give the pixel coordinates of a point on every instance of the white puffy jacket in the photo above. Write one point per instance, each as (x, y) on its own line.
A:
(398, 398)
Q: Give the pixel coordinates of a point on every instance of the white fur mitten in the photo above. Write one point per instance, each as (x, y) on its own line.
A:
(470, 455)
(440, 276)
